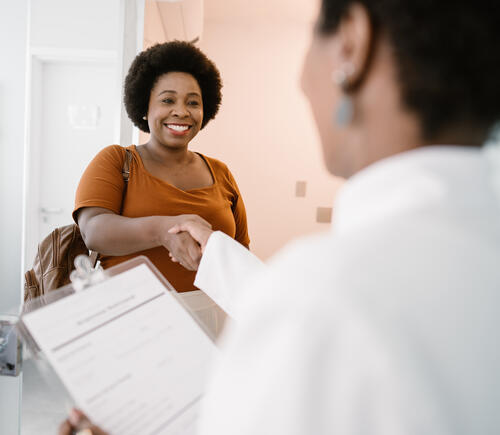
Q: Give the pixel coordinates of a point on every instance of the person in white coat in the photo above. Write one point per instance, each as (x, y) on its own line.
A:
(390, 322)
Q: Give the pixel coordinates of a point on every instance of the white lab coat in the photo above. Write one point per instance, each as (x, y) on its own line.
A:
(389, 324)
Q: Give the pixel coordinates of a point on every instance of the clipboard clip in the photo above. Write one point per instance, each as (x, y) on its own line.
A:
(84, 274)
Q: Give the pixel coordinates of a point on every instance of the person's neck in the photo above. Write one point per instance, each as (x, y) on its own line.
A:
(166, 155)
(461, 134)
(387, 135)
(404, 134)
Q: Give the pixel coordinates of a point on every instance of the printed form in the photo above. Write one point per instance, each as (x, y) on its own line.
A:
(131, 356)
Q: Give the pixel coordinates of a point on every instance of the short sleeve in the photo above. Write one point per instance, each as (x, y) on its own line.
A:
(102, 182)
(239, 213)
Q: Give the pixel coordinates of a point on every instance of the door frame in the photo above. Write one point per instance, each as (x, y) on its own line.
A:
(37, 58)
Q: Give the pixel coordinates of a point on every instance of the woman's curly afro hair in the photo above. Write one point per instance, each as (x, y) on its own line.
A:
(160, 59)
(446, 52)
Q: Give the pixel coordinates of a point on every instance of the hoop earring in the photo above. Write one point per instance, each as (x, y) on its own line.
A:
(344, 112)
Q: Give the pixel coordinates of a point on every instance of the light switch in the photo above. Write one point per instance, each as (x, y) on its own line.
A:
(300, 188)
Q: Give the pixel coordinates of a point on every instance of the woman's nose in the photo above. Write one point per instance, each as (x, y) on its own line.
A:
(180, 110)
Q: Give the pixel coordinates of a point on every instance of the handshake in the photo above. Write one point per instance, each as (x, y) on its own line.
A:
(186, 240)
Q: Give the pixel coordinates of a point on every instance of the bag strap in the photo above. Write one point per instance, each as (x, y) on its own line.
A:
(94, 256)
(126, 175)
(126, 168)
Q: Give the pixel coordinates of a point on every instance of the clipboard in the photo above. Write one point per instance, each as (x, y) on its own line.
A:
(132, 355)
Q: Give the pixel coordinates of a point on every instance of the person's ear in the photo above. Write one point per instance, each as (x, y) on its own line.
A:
(356, 36)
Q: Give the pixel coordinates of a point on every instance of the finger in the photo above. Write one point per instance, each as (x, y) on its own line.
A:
(179, 250)
(175, 229)
(200, 233)
(185, 265)
(195, 254)
(82, 423)
(65, 428)
(77, 417)
(95, 430)
(188, 263)
(187, 226)
(91, 430)
(79, 421)
(199, 220)
(186, 258)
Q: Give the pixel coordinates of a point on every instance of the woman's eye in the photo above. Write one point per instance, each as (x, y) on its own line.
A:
(194, 103)
(167, 101)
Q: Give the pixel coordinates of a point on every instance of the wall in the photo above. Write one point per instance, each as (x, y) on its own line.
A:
(74, 24)
(264, 130)
(13, 40)
(13, 34)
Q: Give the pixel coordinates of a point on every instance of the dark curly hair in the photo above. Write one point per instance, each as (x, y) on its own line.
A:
(447, 54)
(160, 59)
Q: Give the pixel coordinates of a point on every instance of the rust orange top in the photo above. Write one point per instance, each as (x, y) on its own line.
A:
(220, 204)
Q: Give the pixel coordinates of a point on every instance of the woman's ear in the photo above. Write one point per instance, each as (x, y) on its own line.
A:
(356, 38)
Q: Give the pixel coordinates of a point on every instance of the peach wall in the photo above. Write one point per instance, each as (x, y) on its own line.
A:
(264, 131)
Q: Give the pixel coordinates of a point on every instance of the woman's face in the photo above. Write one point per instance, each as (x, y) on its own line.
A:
(322, 59)
(175, 111)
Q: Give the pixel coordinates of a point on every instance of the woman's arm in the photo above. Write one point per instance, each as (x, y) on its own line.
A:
(239, 213)
(111, 234)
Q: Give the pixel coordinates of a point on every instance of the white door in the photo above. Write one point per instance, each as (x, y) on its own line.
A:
(76, 112)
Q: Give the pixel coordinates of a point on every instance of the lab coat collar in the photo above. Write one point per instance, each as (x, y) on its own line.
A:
(403, 182)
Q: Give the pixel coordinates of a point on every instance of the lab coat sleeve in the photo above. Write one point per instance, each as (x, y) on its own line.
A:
(224, 268)
(305, 358)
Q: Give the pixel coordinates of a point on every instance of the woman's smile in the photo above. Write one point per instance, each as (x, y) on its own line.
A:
(177, 129)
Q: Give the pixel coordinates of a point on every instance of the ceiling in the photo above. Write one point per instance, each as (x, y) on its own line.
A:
(169, 20)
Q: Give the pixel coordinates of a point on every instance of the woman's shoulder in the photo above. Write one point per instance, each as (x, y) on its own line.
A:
(111, 151)
(115, 150)
(112, 154)
(220, 169)
(216, 164)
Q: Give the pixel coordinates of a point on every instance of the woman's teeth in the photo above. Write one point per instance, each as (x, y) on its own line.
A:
(178, 127)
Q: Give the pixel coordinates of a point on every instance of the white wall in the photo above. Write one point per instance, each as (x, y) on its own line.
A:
(265, 131)
(75, 24)
(13, 34)
(13, 42)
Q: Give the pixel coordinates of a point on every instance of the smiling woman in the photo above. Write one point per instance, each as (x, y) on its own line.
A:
(172, 91)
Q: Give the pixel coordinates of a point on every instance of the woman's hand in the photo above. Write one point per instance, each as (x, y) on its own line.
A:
(181, 246)
(198, 228)
(183, 249)
(78, 423)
